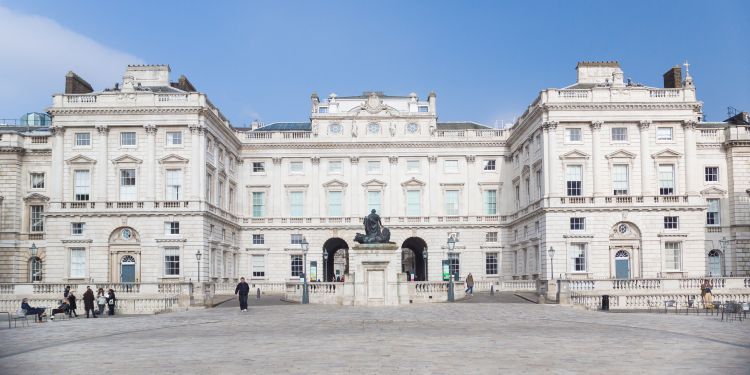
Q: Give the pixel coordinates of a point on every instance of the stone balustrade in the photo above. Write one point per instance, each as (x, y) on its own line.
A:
(618, 94)
(392, 221)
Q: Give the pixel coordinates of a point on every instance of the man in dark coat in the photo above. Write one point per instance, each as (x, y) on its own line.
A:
(243, 290)
(88, 301)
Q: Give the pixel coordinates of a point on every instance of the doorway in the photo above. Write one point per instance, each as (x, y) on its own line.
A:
(127, 269)
(622, 265)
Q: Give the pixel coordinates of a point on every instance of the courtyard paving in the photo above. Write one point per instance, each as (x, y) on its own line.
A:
(460, 338)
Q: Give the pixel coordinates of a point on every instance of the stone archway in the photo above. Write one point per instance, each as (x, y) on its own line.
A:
(125, 250)
(336, 253)
(413, 257)
(625, 251)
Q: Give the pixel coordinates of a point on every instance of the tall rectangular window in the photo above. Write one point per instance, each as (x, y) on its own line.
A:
(82, 185)
(664, 134)
(489, 165)
(577, 223)
(574, 177)
(230, 199)
(712, 174)
(573, 134)
(374, 198)
(171, 261)
(259, 266)
(527, 180)
(259, 167)
(619, 134)
(620, 179)
(127, 139)
(450, 166)
(413, 203)
(454, 264)
(517, 190)
(127, 185)
(174, 138)
(490, 263)
(37, 180)
(296, 262)
(671, 222)
(490, 202)
(209, 187)
(373, 167)
(672, 256)
(713, 212)
(578, 257)
(259, 239)
(77, 262)
(174, 184)
(259, 204)
(666, 179)
(37, 221)
(413, 166)
(538, 180)
(334, 167)
(220, 194)
(451, 202)
(83, 139)
(334, 203)
(296, 204)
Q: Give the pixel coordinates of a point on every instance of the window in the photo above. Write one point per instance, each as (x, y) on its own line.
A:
(490, 202)
(334, 203)
(334, 167)
(37, 180)
(454, 264)
(220, 194)
(413, 166)
(666, 179)
(413, 203)
(297, 266)
(77, 262)
(82, 185)
(295, 167)
(36, 269)
(490, 263)
(620, 134)
(451, 202)
(489, 165)
(712, 174)
(259, 204)
(172, 227)
(672, 256)
(536, 227)
(577, 223)
(259, 239)
(296, 239)
(37, 222)
(423, 109)
(174, 184)
(127, 139)
(296, 204)
(259, 167)
(620, 179)
(490, 237)
(573, 134)
(322, 109)
(671, 222)
(230, 201)
(374, 200)
(578, 257)
(209, 187)
(259, 266)
(450, 166)
(127, 185)
(712, 214)
(664, 134)
(538, 142)
(76, 229)
(538, 180)
(221, 155)
(528, 189)
(373, 167)
(83, 139)
(171, 261)
(174, 138)
(574, 176)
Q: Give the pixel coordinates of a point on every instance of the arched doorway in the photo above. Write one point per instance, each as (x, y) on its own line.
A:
(335, 258)
(127, 269)
(622, 264)
(715, 258)
(625, 250)
(125, 255)
(414, 256)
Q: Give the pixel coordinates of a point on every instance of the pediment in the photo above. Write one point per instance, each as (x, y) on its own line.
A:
(80, 159)
(666, 153)
(173, 159)
(374, 182)
(412, 182)
(36, 197)
(621, 154)
(126, 159)
(335, 183)
(575, 154)
(713, 191)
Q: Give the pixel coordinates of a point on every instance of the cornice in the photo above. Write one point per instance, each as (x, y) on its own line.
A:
(620, 106)
(387, 145)
(77, 240)
(170, 240)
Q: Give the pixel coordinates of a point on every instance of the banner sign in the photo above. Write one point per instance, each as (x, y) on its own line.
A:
(313, 270)
(446, 271)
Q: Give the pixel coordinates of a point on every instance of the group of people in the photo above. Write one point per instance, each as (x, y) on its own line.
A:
(68, 304)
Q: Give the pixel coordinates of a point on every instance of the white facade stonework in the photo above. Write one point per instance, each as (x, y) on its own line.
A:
(612, 175)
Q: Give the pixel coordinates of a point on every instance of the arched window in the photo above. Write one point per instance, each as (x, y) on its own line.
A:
(35, 269)
(715, 263)
(622, 254)
(128, 259)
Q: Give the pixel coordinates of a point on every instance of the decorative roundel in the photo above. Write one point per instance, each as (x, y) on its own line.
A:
(622, 228)
(412, 128)
(126, 234)
(373, 128)
(335, 128)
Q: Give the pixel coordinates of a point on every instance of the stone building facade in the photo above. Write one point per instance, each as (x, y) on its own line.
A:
(129, 183)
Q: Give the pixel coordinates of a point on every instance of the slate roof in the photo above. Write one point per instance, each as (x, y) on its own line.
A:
(460, 125)
(285, 126)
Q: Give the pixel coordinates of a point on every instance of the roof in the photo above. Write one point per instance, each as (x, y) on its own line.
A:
(460, 125)
(286, 126)
(366, 95)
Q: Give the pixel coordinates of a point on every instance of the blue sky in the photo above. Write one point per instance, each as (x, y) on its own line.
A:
(486, 60)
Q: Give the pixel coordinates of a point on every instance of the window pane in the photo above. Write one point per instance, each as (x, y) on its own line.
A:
(37, 180)
(574, 174)
(451, 166)
(37, 221)
(82, 187)
(491, 264)
(490, 202)
(172, 261)
(454, 263)
(296, 204)
(174, 184)
(712, 214)
(174, 138)
(334, 167)
(127, 139)
(573, 134)
(127, 185)
(672, 256)
(666, 179)
(578, 257)
(259, 204)
(334, 203)
(620, 179)
(664, 134)
(77, 262)
(619, 134)
(374, 201)
(297, 265)
(413, 203)
(451, 202)
(259, 266)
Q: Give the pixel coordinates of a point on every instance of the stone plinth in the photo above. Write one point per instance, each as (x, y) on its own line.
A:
(374, 270)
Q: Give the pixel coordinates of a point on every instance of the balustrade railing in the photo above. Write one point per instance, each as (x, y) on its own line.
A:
(430, 287)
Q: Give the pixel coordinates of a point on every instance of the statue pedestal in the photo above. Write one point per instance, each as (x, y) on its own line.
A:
(374, 270)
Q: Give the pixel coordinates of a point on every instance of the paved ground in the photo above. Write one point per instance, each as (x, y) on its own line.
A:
(455, 338)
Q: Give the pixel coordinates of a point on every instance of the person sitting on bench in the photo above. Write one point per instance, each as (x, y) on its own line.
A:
(62, 309)
(38, 311)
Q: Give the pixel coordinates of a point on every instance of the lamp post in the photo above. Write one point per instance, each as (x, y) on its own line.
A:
(424, 258)
(198, 258)
(325, 264)
(305, 245)
(451, 246)
(551, 253)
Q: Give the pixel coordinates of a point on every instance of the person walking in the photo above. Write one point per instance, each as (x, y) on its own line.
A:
(708, 298)
(243, 290)
(66, 291)
(88, 302)
(469, 285)
(111, 300)
(101, 300)
(73, 305)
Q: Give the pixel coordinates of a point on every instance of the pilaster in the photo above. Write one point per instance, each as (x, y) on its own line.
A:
(645, 155)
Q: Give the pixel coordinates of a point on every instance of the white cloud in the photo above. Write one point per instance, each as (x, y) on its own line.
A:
(38, 52)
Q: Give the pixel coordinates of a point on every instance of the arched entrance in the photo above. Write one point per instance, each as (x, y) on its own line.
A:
(125, 255)
(414, 257)
(127, 269)
(335, 258)
(625, 250)
(715, 258)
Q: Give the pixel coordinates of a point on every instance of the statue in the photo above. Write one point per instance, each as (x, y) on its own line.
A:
(375, 232)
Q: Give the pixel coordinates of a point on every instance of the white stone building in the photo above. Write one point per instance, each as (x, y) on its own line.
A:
(129, 183)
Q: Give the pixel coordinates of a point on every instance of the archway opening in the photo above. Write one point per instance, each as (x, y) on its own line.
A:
(414, 258)
(336, 259)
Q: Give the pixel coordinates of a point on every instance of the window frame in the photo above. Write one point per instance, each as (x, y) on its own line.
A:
(258, 167)
(672, 256)
(714, 216)
(172, 228)
(336, 171)
(671, 134)
(122, 139)
(671, 223)
(489, 165)
(74, 231)
(568, 187)
(169, 139)
(36, 219)
(134, 186)
(447, 168)
(577, 223)
(258, 239)
(579, 261)
(570, 131)
(257, 266)
(615, 134)
(491, 267)
(76, 140)
(171, 261)
(297, 265)
(716, 176)
(43, 180)
(258, 209)
(615, 181)
(673, 179)
(80, 265)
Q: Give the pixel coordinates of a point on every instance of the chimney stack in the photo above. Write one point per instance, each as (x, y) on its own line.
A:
(673, 78)
(74, 84)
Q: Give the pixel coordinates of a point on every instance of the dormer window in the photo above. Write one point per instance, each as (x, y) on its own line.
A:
(423, 109)
(322, 109)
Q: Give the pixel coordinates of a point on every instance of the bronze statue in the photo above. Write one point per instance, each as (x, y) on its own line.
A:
(375, 232)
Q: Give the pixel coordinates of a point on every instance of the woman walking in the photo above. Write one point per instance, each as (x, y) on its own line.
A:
(111, 300)
(101, 300)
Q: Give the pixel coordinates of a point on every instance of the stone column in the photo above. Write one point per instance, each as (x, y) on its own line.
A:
(103, 163)
(645, 156)
(57, 172)
(690, 162)
(433, 189)
(315, 189)
(356, 189)
(550, 128)
(394, 189)
(150, 164)
(596, 177)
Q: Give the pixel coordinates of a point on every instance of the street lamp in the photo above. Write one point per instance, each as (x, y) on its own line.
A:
(325, 264)
(451, 246)
(198, 258)
(551, 253)
(34, 250)
(424, 257)
(305, 245)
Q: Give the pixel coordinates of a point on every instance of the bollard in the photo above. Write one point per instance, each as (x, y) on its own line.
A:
(257, 294)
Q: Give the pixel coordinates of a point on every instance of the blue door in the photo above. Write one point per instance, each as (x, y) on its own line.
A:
(622, 265)
(127, 269)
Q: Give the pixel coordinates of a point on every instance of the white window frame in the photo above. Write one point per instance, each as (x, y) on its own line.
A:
(77, 140)
(488, 265)
(257, 266)
(489, 202)
(672, 251)
(171, 228)
(578, 223)
(123, 137)
(713, 213)
(79, 188)
(450, 211)
(660, 137)
(568, 179)
(125, 193)
(490, 165)
(413, 166)
(337, 171)
(335, 209)
(258, 167)
(491, 237)
(617, 187)
(413, 208)
(569, 132)
(171, 258)
(172, 184)
(35, 176)
(619, 132)
(77, 264)
(671, 222)
(169, 138)
(297, 265)
(294, 170)
(374, 167)
(660, 181)
(258, 239)
(77, 228)
(451, 166)
(371, 205)
(574, 248)
(297, 203)
(260, 206)
(707, 175)
(36, 220)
